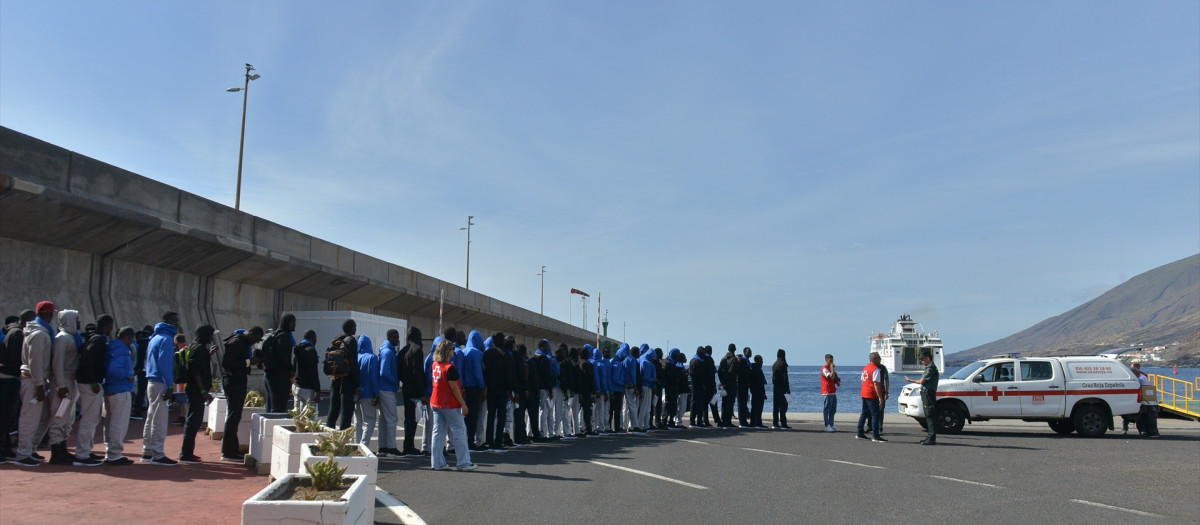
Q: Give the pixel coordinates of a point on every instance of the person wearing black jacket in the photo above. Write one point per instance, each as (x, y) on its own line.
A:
(780, 387)
(10, 382)
(89, 380)
(411, 363)
(671, 373)
(521, 391)
(342, 389)
(568, 379)
(585, 388)
(758, 392)
(515, 387)
(728, 375)
(234, 373)
(276, 357)
(711, 380)
(495, 382)
(743, 390)
(657, 409)
(305, 366)
(199, 380)
(700, 393)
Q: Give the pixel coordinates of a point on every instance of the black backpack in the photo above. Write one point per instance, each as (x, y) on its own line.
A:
(337, 356)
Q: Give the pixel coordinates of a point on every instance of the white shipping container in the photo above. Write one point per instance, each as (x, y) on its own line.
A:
(328, 325)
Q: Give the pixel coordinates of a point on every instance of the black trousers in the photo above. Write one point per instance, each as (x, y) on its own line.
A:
(699, 405)
(615, 400)
(928, 399)
(657, 409)
(235, 399)
(531, 407)
(10, 399)
(779, 408)
(191, 424)
(673, 408)
(727, 402)
(585, 404)
(743, 401)
(279, 391)
(519, 434)
(497, 411)
(341, 403)
(756, 407)
(472, 395)
(410, 422)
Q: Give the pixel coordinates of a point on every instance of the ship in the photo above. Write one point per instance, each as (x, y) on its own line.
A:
(900, 349)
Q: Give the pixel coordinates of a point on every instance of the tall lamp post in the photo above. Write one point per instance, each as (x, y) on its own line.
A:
(237, 203)
(542, 308)
(468, 228)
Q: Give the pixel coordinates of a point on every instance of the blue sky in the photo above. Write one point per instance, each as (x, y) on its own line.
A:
(780, 175)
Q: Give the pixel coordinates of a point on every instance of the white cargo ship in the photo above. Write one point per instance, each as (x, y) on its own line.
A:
(900, 349)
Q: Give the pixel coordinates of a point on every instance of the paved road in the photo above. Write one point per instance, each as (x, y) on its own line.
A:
(992, 473)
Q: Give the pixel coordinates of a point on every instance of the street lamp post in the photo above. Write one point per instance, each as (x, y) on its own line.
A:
(468, 228)
(542, 308)
(237, 203)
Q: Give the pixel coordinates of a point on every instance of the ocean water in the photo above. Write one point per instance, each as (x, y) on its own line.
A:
(806, 387)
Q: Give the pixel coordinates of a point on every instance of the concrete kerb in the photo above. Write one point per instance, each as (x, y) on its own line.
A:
(402, 512)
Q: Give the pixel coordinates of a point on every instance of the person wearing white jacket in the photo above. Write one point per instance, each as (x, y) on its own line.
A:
(64, 361)
(35, 373)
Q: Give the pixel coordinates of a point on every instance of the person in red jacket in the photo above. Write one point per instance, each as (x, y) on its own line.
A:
(873, 395)
(449, 409)
(829, 385)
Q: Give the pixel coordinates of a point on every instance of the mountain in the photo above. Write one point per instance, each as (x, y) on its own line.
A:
(1159, 307)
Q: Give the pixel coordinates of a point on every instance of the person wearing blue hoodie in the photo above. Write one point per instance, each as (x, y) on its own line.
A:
(160, 374)
(600, 371)
(389, 385)
(649, 375)
(546, 396)
(616, 387)
(119, 382)
(473, 384)
(368, 391)
(672, 373)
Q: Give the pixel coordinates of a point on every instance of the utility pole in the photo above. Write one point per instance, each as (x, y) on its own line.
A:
(468, 228)
(542, 308)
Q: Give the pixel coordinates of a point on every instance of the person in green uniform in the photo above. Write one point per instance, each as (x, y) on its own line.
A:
(929, 383)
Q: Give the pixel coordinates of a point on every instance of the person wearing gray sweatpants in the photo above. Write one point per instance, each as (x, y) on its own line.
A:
(119, 381)
(89, 382)
(160, 374)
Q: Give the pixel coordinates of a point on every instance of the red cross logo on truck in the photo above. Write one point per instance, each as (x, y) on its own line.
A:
(995, 394)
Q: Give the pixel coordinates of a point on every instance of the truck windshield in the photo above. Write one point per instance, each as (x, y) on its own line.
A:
(967, 371)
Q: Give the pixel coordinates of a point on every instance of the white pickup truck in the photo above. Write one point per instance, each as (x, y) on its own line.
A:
(1072, 394)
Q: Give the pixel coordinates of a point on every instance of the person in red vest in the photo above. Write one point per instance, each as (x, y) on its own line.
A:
(873, 395)
(449, 409)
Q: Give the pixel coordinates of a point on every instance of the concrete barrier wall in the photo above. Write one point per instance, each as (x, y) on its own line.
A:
(100, 239)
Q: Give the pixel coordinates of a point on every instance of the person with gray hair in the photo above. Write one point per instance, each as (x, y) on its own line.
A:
(872, 396)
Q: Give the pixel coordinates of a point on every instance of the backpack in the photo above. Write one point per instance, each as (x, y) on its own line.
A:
(182, 356)
(267, 354)
(337, 357)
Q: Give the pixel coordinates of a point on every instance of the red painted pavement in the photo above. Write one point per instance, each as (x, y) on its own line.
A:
(209, 492)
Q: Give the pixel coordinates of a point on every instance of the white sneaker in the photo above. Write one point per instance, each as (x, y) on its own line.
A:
(828, 428)
(833, 428)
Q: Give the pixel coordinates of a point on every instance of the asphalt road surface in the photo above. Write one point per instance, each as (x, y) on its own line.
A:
(994, 472)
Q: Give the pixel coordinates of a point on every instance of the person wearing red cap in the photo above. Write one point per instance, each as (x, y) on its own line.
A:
(35, 372)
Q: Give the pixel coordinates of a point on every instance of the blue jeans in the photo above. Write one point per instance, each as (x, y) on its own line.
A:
(830, 408)
(449, 419)
(870, 407)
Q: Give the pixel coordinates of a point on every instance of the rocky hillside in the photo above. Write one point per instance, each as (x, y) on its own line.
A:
(1159, 307)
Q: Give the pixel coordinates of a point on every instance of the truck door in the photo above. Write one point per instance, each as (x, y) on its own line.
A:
(1042, 394)
(996, 392)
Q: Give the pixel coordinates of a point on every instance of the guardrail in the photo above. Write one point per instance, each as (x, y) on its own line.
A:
(1176, 394)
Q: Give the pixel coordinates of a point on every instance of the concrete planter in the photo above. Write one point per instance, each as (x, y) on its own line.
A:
(356, 506)
(262, 435)
(365, 465)
(216, 416)
(245, 425)
(285, 452)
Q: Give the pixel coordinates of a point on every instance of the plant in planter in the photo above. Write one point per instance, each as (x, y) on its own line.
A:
(255, 399)
(326, 495)
(340, 445)
(289, 439)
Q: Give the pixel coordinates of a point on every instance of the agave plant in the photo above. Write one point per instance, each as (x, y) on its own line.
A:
(336, 443)
(326, 475)
(255, 399)
(305, 418)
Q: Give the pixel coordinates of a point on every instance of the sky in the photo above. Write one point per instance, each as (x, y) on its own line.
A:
(788, 175)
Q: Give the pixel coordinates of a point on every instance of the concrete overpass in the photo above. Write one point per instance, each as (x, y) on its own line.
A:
(96, 238)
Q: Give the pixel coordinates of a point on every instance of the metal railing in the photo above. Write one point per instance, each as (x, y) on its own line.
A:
(1177, 394)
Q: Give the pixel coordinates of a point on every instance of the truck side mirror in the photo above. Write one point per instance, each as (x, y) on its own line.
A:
(977, 379)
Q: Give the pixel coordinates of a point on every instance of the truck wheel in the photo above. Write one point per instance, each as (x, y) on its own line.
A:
(949, 419)
(924, 424)
(1089, 421)
(1063, 426)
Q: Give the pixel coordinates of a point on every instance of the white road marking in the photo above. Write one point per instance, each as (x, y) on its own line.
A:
(855, 464)
(966, 481)
(649, 475)
(693, 441)
(398, 508)
(768, 451)
(1110, 507)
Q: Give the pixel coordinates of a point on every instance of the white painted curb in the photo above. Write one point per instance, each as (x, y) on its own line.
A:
(398, 508)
